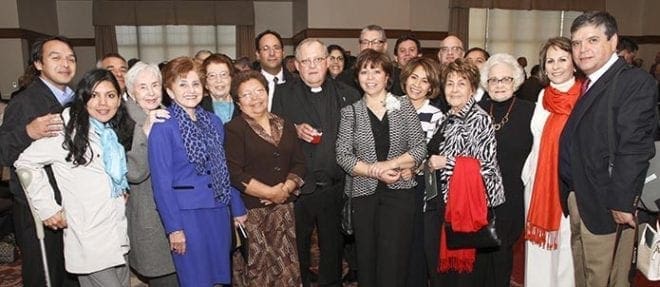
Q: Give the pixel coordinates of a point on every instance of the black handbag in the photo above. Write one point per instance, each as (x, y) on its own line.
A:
(347, 210)
(346, 217)
(483, 238)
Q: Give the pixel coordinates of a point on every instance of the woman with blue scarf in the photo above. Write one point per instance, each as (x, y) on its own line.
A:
(89, 164)
(191, 182)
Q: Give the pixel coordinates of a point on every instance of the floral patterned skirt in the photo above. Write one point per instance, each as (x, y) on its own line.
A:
(272, 255)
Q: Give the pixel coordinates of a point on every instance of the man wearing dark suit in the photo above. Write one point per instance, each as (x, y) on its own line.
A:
(269, 55)
(312, 103)
(599, 200)
(31, 115)
(372, 37)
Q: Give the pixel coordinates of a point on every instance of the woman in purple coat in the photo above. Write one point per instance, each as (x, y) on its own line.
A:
(191, 181)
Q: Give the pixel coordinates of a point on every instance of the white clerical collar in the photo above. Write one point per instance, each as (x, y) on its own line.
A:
(316, 90)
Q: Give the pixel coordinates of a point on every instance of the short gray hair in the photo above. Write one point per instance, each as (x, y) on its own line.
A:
(307, 42)
(505, 59)
(376, 28)
(133, 72)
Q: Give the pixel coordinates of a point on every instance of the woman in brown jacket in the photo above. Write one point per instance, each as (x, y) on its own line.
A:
(266, 164)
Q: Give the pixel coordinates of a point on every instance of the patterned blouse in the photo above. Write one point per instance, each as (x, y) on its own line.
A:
(470, 132)
(430, 117)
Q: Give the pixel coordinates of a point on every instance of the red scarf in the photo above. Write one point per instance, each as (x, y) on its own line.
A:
(466, 210)
(545, 210)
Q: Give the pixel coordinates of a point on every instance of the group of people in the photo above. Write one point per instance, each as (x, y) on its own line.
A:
(419, 145)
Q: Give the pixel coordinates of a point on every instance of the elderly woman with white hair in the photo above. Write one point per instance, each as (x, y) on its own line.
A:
(501, 76)
(150, 250)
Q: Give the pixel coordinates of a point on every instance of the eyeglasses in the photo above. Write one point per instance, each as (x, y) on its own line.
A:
(333, 58)
(266, 49)
(455, 49)
(252, 94)
(308, 62)
(375, 43)
(495, 81)
(213, 76)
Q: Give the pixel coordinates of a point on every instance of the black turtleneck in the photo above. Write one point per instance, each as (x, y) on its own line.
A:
(514, 142)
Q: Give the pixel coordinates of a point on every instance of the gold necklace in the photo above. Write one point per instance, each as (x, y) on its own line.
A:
(505, 119)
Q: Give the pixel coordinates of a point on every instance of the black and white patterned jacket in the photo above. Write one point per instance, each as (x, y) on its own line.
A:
(470, 132)
(405, 136)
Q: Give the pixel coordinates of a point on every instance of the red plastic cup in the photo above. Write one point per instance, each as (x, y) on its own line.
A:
(316, 139)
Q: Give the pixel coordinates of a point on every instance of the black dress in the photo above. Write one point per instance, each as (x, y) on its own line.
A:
(514, 142)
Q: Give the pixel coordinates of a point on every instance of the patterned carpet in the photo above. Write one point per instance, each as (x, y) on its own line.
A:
(10, 274)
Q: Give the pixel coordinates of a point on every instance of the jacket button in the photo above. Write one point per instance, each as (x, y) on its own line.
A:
(277, 168)
(209, 185)
(208, 172)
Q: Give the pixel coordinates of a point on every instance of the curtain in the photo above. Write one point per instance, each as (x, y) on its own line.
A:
(572, 5)
(168, 12)
(245, 41)
(106, 40)
(459, 24)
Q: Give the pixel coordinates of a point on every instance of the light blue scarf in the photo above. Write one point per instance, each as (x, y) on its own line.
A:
(114, 157)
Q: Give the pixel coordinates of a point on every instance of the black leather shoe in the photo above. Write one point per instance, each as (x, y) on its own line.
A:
(350, 277)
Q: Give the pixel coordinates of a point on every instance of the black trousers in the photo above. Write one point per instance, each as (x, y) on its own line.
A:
(26, 238)
(320, 209)
(432, 240)
(383, 233)
(417, 273)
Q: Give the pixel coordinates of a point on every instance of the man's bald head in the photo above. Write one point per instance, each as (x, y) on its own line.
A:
(451, 48)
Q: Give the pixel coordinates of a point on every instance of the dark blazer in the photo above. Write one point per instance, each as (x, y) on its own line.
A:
(207, 104)
(291, 103)
(584, 151)
(33, 102)
(286, 74)
(250, 156)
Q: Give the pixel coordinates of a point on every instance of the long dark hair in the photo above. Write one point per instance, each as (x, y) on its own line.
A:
(76, 132)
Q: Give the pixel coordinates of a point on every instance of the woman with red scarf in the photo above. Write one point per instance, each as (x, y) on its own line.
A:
(547, 231)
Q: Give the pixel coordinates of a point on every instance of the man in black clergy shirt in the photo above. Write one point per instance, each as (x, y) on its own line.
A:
(31, 115)
(312, 102)
(598, 196)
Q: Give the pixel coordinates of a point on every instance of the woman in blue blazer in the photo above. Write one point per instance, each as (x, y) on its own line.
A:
(190, 180)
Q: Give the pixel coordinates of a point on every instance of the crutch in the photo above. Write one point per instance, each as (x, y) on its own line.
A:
(25, 177)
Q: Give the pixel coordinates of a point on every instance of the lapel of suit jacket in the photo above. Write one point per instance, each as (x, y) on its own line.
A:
(43, 90)
(364, 135)
(597, 90)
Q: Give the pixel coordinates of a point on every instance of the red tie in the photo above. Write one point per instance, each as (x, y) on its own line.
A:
(585, 86)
